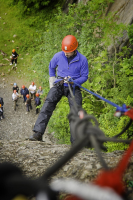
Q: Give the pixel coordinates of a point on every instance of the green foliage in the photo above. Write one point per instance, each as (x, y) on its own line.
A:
(31, 6)
(130, 33)
(127, 67)
(130, 184)
(59, 123)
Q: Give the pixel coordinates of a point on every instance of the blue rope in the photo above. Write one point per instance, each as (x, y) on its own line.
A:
(118, 108)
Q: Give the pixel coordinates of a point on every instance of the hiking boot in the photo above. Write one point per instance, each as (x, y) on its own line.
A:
(36, 137)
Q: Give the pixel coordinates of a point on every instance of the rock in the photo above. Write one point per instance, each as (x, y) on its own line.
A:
(1, 64)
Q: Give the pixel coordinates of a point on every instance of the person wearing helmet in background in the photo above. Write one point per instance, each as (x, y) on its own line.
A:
(1, 102)
(15, 87)
(14, 57)
(24, 91)
(40, 91)
(28, 103)
(15, 97)
(70, 63)
(1, 112)
(37, 102)
(32, 90)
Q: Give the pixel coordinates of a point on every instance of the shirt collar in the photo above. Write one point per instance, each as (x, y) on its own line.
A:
(75, 58)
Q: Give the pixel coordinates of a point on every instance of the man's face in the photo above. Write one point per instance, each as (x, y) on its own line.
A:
(68, 55)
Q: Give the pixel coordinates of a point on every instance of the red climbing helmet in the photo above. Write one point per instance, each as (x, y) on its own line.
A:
(23, 86)
(13, 51)
(69, 44)
(37, 94)
(27, 95)
(33, 83)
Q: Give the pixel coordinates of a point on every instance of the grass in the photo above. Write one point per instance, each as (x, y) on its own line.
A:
(16, 34)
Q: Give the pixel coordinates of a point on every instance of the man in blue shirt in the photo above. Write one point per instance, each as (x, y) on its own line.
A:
(24, 91)
(67, 63)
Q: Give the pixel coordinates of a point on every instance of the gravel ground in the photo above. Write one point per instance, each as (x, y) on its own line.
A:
(17, 125)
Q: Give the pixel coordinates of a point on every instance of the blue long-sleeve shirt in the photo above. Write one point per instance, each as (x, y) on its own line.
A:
(77, 69)
(24, 92)
(37, 101)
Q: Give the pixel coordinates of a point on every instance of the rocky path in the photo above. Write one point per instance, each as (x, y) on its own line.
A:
(17, 125)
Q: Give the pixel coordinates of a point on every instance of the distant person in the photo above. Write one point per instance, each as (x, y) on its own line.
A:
(15, 97)
(1, 112)
(14, 57)
(24, 91)
(32, 90)
(28, 103)
(37, 102)
(15, 87)
(1, 102)
(40, 91)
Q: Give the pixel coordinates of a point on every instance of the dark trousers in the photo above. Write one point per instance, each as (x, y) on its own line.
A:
(1, 115)
(12, 60)
(28, 106)
(15, 103)
(24, 98)
(33, 95)
(37, 110)
(54, 96)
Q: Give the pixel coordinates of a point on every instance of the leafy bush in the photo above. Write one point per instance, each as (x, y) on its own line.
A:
(31, 6)
(59, 123)
(130, 33)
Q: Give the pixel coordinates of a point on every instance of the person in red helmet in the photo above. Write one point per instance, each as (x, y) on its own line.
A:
(28, 103)
(40, 91)
(24, 91)
(14, 57)
(70, 63)
(32, 90)
(15, 97)
(37, 102)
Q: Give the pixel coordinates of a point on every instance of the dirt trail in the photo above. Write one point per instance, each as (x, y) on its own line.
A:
(17, 125)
